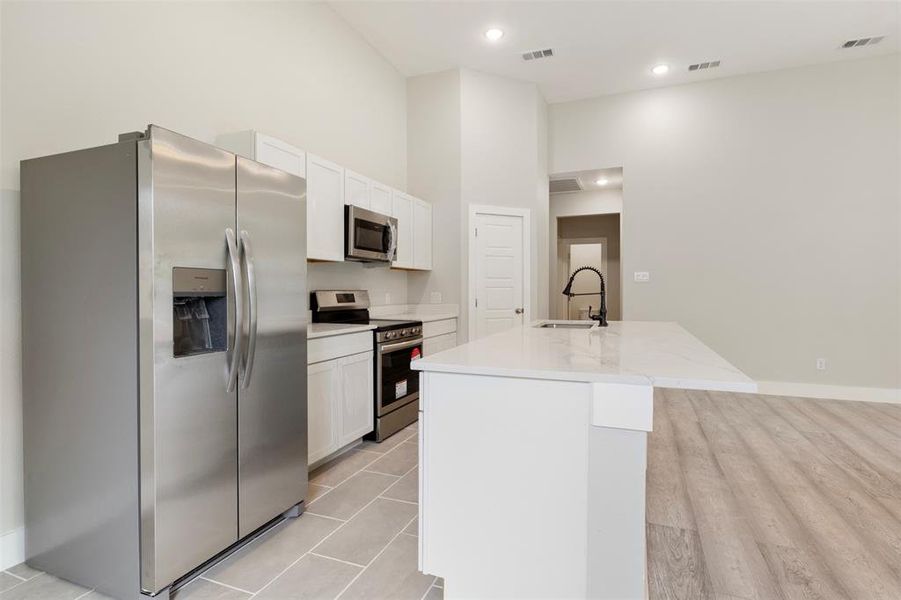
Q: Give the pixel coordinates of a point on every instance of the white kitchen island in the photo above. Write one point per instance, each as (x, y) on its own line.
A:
(533, 451)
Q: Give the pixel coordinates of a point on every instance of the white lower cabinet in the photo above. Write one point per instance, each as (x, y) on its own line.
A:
(339, 403)
(323, 387)
(356, 419)
(433, 345)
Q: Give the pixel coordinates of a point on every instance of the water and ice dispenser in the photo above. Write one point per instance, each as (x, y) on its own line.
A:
(199, 311)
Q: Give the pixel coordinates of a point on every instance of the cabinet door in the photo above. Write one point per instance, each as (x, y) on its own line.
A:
(380, 198)
(276, 153)
(325, 209)
(356, 189)
(357, 406)
(402, 210)
(433, 345)
(422, 234)
(323, 392)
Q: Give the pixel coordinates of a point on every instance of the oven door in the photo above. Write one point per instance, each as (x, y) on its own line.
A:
(370, 236)
(396, 384)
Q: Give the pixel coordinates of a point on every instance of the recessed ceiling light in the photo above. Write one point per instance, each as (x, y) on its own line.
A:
(602, 181)
(494, 34)
(660, 70)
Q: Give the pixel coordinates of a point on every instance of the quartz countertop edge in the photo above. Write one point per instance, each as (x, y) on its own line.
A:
(321, 330)
(650, 353)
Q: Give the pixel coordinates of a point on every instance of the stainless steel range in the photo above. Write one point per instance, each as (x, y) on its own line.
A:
(397, 343)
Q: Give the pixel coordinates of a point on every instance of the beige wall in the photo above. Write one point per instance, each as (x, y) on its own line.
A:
(433, 143)
(76, 74)
(588, 227)
(766, 209)
(503, 163)
(501, 160)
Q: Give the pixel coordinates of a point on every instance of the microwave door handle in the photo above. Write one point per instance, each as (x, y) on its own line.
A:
(392, 243)
(250, 269)
(237, 290)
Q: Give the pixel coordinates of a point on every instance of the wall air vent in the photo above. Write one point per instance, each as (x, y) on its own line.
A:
(711, 64)
(536, 54)
(867, 41)
(561, 186)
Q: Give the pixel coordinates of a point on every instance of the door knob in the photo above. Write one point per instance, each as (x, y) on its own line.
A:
(518, 311)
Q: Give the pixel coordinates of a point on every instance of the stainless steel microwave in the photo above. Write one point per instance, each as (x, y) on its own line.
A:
(370, 236)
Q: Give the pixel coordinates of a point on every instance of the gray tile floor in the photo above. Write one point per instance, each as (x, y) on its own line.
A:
(357, 539)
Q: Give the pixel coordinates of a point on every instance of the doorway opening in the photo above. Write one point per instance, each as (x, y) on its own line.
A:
(586, 214)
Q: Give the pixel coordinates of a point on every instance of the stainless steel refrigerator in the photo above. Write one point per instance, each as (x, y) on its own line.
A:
(164, 358)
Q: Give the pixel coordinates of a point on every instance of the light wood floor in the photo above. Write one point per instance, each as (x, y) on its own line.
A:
(768, 497)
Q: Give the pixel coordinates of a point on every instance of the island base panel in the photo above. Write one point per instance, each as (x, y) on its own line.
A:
(510, 474)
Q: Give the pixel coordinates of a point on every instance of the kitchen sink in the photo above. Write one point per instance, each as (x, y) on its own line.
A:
(587, 325)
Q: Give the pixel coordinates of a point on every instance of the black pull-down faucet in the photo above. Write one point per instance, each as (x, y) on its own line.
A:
(601, 317)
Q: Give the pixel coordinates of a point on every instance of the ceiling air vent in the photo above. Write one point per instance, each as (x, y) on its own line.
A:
(712, 64)
(561, 186)
(867, 41)
(536, 54)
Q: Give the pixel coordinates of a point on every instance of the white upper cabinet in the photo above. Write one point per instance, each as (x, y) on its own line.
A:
(357, 189)
(265, 149)
(325, 209)
(422, 234)
(402, 210)
(380, 198)
(329, 187)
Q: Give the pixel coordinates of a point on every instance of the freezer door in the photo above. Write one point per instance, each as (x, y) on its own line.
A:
(272, 396)
(189, 503)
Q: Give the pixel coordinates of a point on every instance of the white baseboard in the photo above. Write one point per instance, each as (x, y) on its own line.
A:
(833, 392)
(12, 548)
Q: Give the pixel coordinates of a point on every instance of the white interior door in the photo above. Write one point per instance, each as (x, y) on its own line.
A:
(498, 272)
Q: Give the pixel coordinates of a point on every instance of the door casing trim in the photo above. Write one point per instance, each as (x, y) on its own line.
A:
(508, 211)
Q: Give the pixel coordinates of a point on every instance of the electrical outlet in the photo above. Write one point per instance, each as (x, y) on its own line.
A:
(387, 297)
(435, 297)
(642, 276)
(821, 364)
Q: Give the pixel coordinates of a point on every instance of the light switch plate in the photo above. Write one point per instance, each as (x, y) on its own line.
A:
(435, 297)
(642, 276)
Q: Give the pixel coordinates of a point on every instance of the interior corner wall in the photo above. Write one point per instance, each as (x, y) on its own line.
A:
(504, 163)
(76, 74)
(767, 210)
(475, 138)
(433, 172)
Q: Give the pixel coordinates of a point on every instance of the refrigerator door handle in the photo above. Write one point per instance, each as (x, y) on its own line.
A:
(237, 342)
(247, 255)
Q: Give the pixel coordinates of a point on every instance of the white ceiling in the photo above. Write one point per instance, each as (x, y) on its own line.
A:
(605, 47)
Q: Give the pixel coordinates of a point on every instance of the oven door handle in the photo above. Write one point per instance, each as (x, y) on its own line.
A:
(386, 348)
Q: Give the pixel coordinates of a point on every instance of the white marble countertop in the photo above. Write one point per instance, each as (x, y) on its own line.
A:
(320, 330)
(657, 353)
